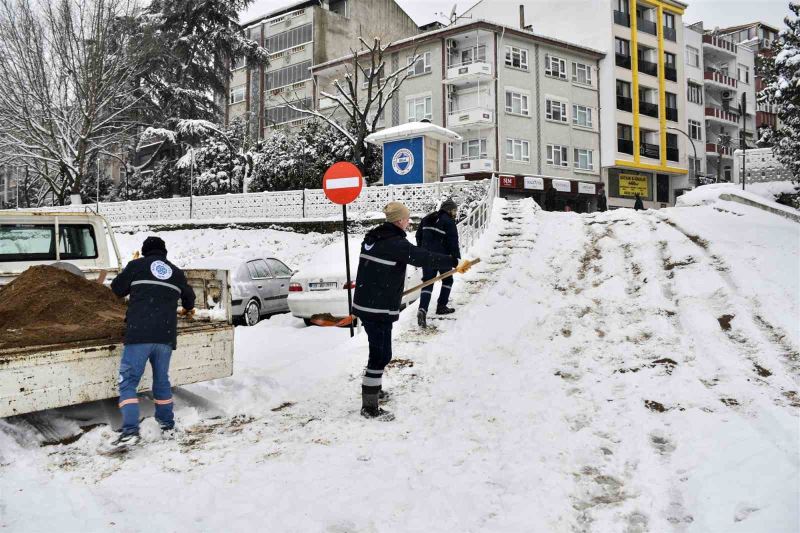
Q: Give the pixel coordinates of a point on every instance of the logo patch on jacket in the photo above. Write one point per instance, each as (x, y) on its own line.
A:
(161, 270)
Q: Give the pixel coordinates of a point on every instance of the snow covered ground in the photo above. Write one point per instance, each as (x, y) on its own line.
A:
(624, 371)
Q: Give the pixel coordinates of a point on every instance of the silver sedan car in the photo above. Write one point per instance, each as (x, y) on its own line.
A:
(259, 284)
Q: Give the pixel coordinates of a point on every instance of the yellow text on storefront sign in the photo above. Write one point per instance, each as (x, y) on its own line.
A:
(633, 184)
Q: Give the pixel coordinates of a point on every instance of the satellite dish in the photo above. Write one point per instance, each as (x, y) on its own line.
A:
(453, 14)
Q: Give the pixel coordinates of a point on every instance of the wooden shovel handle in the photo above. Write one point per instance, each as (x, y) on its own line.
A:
(439, 277)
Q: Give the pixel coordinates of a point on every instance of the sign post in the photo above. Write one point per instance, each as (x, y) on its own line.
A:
(342, 184)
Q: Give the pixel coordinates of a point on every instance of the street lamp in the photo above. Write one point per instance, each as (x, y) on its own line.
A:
(694, 149)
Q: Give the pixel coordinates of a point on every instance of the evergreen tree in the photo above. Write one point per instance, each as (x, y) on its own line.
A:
(782, 78)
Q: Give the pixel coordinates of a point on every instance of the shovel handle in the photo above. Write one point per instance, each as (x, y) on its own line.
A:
(439, 277)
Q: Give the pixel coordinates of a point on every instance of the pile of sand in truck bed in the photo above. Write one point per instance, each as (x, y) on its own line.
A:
(47, 305)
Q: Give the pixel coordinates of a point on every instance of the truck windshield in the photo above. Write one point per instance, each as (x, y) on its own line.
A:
(35, 242)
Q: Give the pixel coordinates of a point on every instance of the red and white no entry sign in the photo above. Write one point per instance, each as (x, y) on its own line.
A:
(342, 182)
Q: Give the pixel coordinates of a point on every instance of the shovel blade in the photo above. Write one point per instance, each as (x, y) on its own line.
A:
(328, 320)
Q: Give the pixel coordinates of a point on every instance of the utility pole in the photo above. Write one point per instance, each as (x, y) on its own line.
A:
(743, 139)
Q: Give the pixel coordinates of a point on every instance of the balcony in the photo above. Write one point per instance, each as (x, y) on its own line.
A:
(647, 26)
(625, 146)
(673, 154)
(466, 165)
(466, 119)
(719, 149)
(671, 73)
(623, 61)
(646, 108)
(623, 19)
(720, 115)
(718, 44)
(672, 114)
(471, 71)
(649, 150)
(624, 103)
(670, 34)
(648, 67)
(720, 80)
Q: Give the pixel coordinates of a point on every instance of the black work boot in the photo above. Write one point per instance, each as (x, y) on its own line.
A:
(369, 405)
(444, 310)
(422, 318)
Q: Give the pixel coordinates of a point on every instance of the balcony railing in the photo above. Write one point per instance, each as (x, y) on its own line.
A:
(625, 146)
(670, 34)
(718, 149)
(722, 79)
(624, 103)
(673, 154)
(623, 61)
(649, 150)
(648, 67)
(646, 108)
(671, 73)
(721, 114)
(647, 26)
(672, 114)
(720, 43)
(623, 19)
(470, 117)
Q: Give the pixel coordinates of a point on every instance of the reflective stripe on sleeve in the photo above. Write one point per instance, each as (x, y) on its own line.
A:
(378, 260)
(431, 228)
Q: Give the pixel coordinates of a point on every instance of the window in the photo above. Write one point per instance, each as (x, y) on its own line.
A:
(282, 114)
(624, 132)
(468, 56)
(474, 149)
(621, 6)
(288, 75)
(555, 110)
(669, 60)
(692, 56)
(623, 89)
(696, 165)
(289, 39)
(517, 103)
(557, 155)
(419, 108)
(279, 269)
(518, 150)
(622, 47)
(555, 67)
(695, 130)
(237, 94)
(581, 74)
(583, 159)
(421, 66)
(582, 116)
(744, 73)
(367, 74)
(239, 62)
(516, 57)
(695, 93)
(669, 21)
(258, 269)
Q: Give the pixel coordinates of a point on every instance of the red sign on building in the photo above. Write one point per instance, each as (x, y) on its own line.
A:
(508, 182)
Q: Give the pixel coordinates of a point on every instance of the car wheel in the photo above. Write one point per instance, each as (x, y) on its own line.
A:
(307, 321)
(252, 313)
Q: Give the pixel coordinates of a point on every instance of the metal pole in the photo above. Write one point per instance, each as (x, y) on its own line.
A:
(191, 183)
(743, 140)
(347, 267)
(98, 183)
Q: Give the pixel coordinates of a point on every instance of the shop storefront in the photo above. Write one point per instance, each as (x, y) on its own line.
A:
(567, 195)
(625, 184)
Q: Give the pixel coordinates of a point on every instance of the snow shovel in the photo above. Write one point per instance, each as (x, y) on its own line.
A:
(440, 277)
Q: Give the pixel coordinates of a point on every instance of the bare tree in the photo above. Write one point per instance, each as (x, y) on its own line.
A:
(69, 85)
(361, 98)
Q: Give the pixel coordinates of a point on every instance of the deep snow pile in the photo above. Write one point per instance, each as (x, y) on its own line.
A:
(762, 192)
(625, 371)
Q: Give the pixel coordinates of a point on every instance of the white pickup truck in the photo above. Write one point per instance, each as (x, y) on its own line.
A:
(35, 378)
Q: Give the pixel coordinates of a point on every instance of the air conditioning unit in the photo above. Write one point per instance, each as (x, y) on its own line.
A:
(452, 45)
(727, 95)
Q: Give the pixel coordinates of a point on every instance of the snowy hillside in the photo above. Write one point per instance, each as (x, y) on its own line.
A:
(624, 371)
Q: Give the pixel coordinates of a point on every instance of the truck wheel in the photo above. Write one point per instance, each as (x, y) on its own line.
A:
(252, 313)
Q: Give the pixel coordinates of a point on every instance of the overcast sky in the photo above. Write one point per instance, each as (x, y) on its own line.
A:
(712, 12)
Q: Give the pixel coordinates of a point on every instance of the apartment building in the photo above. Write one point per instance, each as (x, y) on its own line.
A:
(760, 37)
(526, 106)
(8, 186)
(299, 36)
(642, 86)
(718, 73)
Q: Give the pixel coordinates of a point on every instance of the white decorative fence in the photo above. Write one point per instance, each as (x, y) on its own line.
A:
(287, 205)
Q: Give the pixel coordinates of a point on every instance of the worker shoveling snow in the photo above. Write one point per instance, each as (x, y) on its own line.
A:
(47, 305)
